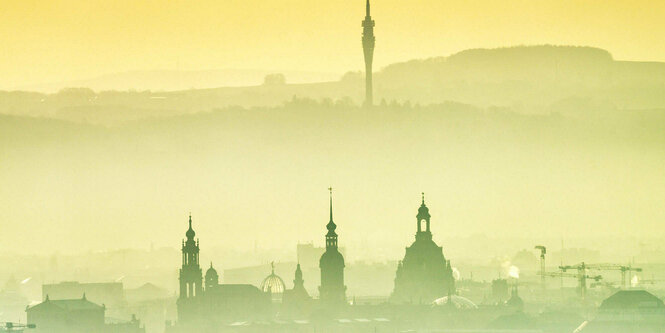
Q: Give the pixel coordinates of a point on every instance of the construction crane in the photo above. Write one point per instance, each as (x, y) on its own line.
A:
(581, 277)
(14, 327)
(614, 267)
(605, 267)
(543, 250)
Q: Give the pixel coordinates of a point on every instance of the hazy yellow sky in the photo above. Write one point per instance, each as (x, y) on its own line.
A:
(61, 40)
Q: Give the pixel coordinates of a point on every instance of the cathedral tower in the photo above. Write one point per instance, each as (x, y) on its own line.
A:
(368, 50)
(191, 277)
(332, 290)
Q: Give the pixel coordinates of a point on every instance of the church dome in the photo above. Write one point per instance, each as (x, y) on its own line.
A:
(423, 211)
(332, 257)
(458, 301)
(211, 272)
(273, 283)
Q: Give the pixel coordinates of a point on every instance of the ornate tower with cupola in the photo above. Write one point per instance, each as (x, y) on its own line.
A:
(332, 290)
(191, 276)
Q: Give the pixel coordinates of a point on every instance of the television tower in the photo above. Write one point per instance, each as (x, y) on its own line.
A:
(368, 49)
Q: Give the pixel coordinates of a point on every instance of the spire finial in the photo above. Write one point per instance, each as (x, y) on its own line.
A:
(190, 220)
(331, 215)
(367, 8)
(423, 195)
(272, 266)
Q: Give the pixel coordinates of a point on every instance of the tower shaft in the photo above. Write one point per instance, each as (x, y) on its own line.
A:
(368, 50)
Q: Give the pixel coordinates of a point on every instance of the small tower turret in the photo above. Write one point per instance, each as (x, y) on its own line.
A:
(423, 218)
(211, 278)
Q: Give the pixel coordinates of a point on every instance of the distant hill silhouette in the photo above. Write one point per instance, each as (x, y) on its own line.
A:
(530, 79)
(535, 76)
(169, 80)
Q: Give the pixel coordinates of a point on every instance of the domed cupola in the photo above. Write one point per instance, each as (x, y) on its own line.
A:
(211, 278)
(190, 232)
(273, 283)
(423, 211)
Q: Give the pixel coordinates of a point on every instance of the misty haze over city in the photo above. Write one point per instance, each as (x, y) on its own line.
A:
(274, 172)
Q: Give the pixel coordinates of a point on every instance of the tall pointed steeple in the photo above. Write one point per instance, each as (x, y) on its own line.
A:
(298, 282)
(368, 50)
(331, 215)
(331, 236)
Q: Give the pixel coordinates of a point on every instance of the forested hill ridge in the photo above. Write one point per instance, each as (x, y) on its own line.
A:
(535, 76)
(528, 79)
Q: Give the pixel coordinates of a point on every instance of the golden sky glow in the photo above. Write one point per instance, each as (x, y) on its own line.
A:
(60, 40)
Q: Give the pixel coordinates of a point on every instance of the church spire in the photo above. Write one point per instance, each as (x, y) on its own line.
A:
(367, 9)
(331, 216)
(331, 236)
(190, 232)
(298, 281)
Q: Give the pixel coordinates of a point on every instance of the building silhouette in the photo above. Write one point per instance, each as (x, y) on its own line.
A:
(111, 294)
(191, 277)
(211, 278)
(297, 300)
(76, 316)
(213, 303)
(332, 291)
(368, 50)
(627, 311)
(424, 274)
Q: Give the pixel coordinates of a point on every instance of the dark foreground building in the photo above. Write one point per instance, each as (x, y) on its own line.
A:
(424, 274)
